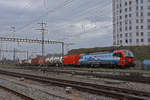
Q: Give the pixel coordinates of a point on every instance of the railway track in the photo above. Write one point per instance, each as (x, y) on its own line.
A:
(16, 93)
(131, 77)
(114, 92)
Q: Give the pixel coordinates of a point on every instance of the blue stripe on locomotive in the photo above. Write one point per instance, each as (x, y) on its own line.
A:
(99, 58)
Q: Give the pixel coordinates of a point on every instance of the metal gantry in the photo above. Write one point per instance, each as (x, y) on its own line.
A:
(29, 40)
(16, 51)
(36, 41)
(33, 41)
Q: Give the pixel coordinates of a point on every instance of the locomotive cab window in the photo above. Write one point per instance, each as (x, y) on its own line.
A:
(128, 53)
(117, 54)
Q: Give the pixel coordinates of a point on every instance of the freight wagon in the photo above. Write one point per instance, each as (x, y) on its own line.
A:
(71, 59)
(117, 58)
(53, 61)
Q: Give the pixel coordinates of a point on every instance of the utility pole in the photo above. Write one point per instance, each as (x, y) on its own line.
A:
(13, 29)
(27, 54)
(0, 54)
(14, 57)
(62, 53)
(43, 25)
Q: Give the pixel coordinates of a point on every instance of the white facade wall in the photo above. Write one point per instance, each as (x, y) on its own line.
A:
(131, 22)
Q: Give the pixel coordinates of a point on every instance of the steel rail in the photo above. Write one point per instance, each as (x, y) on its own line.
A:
(113, 92)
(16, 93)
(129, 78)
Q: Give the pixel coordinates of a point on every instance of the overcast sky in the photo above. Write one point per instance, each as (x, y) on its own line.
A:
(86, 23)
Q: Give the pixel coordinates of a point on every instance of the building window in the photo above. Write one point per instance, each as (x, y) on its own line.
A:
(126, 3)
(137, 33)
(130, 40)
(137, 21)
(148, 14)
(130, 15)
(142, 20)
(120, 29)
(142, 33)
(130, 34)
(148, 20)
(130, 22)
(148, 7)
(126, 41)
(137, 14)
(149, 40)
(130, 9)
(137, 1)
(117, 35)
(142, 40)
(120, 35)
(141, 13)
(141, 27)
(126, 28)
(137, 8)
(120, 23)
(137, 40)
(130, 2)
(141, 7)
(126, 34)
(126, 9)
(137, 27)
(148, 34)
(141, 1)
(120, 41)
(114, 43)
(120, 17)
(126, 21)
(148, 27)
(130, 27)
(126, 16)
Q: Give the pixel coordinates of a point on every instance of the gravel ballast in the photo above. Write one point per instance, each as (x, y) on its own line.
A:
(101, 81)
(45, 92)
(86, 96)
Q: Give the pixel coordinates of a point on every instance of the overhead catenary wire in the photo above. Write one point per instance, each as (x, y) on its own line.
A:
(91, 16)
(86, 17)
(67, 2)
(51, 10)
(63, 27)
(95, 8)
(45, 14)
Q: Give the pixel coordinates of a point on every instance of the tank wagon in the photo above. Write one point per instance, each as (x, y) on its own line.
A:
(116, 58)
(53, 61)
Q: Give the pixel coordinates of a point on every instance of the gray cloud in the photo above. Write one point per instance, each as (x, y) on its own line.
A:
(87, 23)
